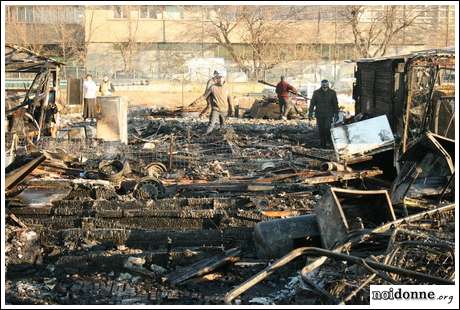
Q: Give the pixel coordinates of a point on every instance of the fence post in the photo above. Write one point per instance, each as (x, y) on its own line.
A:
(171, 148)
(182, 89)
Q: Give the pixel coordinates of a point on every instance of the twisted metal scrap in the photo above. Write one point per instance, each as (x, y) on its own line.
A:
(344, 257)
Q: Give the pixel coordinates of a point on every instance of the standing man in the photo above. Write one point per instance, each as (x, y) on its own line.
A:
(326, 108)
(106, 88)
(210, 83)
(282, 90)
(220, 101)
(89, 98)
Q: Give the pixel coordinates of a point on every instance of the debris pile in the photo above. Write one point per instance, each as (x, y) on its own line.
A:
(254, 213)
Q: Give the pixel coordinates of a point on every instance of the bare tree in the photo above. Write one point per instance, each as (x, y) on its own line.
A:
(375, 29)
(222, 24)
(69, 36)
(47, 30)
(127, 45)
(263, 31)
(254, 37)
(89, 31)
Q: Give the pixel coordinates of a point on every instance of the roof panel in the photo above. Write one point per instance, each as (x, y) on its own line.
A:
(21, 59)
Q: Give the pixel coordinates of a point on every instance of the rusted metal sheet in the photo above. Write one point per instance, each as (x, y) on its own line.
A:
(35, 196)
(74, 91)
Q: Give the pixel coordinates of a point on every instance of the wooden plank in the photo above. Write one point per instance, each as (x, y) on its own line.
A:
(279, 213)
(342, 176)
(259, 188)
(305, 173)
(203, 266)
(16, 176)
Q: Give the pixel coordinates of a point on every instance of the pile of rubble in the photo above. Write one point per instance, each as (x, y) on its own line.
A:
(176, 217)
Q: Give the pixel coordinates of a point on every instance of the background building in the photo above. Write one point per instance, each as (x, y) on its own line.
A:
(158, 42)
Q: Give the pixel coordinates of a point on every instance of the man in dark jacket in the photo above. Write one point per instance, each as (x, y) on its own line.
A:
(326, 108)
(282, 90)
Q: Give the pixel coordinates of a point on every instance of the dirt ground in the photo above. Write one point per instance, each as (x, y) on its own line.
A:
(175, 100)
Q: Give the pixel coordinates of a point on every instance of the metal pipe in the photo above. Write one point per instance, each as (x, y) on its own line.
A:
(292, 92)
(441, 196)
(326, 253)
(332, 254)
(418, 170)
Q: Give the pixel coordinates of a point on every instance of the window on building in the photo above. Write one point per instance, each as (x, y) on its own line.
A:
(325, 51)
(10, 12)
(152, 12)
(209, 14)
(25, 14)
(173, 12)
(72, 14)
(120, 12)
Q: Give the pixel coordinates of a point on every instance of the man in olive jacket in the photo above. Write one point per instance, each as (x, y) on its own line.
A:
(326, 108)
(220, 101)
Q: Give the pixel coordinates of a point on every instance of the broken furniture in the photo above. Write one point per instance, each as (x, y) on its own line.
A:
(275, 238)
(362, 138)
(335, 253)
(342, 211)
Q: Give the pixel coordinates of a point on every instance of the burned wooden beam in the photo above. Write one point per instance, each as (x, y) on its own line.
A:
(16, 176)
(204, 266)
(336, 176)
(155, 239)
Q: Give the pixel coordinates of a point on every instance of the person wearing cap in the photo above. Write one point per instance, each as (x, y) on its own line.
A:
(212, 80)
(106, 88)
(282, 90)
(325, 106)
(220, 101)
(210, 83)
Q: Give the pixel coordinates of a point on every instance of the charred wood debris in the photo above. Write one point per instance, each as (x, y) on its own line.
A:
(247, 215)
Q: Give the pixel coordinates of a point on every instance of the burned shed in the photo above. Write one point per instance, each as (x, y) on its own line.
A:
(30, 104)
(379, 88)
(415, 91)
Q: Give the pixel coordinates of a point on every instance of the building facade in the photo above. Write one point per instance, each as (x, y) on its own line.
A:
(156, 42)
(57, 31)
